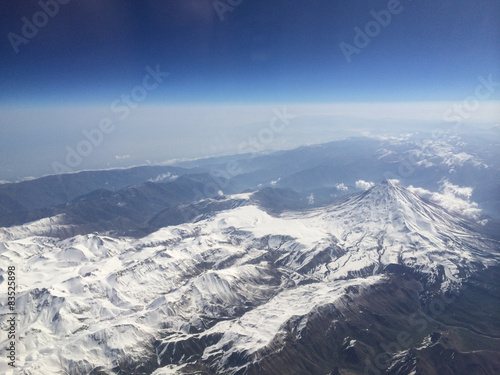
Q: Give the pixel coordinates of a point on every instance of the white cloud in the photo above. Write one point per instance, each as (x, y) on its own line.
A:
(420, 191)
(274, 182)
(310, 199)
(462, 192)
(453, 198)
(122, 157)
(164, 177)
(341, 187)
(364, 185)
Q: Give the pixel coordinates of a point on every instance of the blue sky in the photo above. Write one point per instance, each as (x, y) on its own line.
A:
(261, 51)
(90, 53)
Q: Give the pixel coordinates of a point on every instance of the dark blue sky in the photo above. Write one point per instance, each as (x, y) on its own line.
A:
(263, 51)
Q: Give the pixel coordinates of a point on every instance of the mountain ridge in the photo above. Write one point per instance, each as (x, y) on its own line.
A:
(208, 288)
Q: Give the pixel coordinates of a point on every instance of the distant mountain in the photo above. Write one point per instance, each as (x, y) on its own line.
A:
(381, 282)
(139, 200)
(317, 175)
(57, 190)
(102, 209)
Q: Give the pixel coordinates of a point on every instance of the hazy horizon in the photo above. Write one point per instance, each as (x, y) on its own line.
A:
(120, 83)
(193, 132)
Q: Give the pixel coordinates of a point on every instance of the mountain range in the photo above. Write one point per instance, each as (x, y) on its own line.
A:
(381, 281)
(364, 256)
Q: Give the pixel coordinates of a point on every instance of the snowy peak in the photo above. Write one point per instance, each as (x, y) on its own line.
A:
(397, 207)
(389, 193)
(387, 187)
(388, 224)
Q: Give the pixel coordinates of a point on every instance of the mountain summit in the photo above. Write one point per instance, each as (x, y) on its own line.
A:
(391, 203)
(388, 224)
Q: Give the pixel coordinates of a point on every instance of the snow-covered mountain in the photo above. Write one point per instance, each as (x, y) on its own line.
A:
(244, 291)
